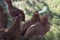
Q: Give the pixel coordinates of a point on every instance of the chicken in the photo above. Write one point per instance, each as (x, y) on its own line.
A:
(13, 12)
(15, 28)
(38, 30)
(35, 18)
(13, 32)
(3, 18)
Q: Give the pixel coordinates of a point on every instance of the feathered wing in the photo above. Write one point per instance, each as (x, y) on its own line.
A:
(29, 33)
(25, 26)
(36, 31)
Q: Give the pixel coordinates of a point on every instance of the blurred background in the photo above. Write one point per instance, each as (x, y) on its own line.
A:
(29, 6)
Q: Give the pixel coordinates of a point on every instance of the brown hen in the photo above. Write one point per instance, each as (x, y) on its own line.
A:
(13, 32)
(38, 30)
(13, 12)
(34, 19)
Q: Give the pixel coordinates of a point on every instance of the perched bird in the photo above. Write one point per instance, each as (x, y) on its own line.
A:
(11, 33)
(34, 19)
(3, 18)
(38, 30)
(13, 12)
